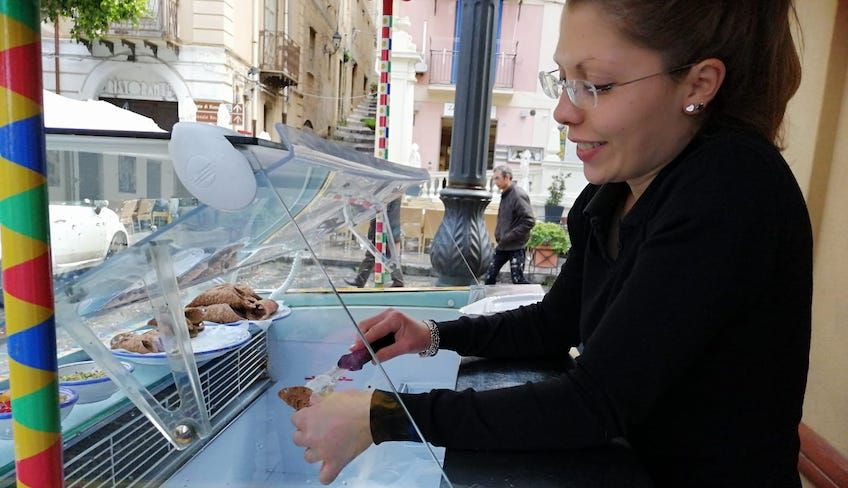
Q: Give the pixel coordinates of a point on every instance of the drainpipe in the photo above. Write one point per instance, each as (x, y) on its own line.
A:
(27, 278)
(56, 54)
(254, 78)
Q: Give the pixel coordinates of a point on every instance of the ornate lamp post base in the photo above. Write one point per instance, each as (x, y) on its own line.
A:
(461, 245)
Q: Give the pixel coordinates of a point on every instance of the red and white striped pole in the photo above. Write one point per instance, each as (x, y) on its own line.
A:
(381, 143)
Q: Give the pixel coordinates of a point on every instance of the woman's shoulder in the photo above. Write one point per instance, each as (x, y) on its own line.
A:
(731, 170)
(735, 153)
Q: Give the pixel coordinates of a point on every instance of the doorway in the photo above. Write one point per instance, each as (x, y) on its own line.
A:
(165, 114)
(446, 139)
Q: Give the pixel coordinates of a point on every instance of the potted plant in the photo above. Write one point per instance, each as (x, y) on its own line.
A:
(556, 190)
(547, 241)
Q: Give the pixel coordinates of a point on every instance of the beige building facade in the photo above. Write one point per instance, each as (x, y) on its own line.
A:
(245, 65)
(817, 151)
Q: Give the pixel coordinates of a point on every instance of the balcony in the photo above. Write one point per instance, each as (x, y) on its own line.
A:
(442, 68)
(160, 22)
(279, 63)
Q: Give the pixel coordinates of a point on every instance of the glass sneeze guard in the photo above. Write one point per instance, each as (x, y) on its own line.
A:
(307, 191)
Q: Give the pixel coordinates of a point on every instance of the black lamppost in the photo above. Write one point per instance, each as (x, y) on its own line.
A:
(462, 236)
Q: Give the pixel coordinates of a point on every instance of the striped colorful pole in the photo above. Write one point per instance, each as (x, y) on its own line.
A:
(380, 245)
(24, 231)
(381, 143)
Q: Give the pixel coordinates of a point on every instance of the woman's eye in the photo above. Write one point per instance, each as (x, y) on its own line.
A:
(603, 88)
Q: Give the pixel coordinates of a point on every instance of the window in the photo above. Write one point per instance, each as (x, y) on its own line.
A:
(126, 174)
(54, 175)
(457, 29)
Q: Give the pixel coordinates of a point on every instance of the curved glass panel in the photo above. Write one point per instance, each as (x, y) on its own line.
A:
(131, 245)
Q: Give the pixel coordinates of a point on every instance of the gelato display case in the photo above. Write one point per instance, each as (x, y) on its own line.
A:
(221, 294)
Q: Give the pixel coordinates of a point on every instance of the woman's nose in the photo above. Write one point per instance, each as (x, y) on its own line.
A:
(567, 113)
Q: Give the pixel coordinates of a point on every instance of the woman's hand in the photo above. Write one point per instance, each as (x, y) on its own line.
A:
(411, 336)
(334, 430)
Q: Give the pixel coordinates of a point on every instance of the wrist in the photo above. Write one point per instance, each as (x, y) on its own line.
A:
(433, 346)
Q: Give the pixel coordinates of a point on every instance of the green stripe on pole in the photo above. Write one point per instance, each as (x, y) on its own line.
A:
(15, 213)
(24, 11)
(29, 410)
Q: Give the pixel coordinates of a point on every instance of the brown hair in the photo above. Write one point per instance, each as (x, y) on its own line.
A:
(752, 37)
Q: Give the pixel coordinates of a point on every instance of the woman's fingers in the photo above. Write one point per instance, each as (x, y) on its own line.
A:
(311, 455)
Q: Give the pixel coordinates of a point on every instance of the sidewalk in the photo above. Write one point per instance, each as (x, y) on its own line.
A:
(417, 266)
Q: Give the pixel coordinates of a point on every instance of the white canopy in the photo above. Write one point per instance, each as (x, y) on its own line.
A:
(68, 113)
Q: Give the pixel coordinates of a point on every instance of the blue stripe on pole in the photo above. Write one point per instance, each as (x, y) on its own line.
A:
(18, 145)
(21, 346)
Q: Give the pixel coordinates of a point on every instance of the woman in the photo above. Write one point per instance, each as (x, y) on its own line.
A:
(689, 282)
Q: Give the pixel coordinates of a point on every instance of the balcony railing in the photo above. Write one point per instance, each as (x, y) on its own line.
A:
(280, 56)
(159, 22)
(442, 68)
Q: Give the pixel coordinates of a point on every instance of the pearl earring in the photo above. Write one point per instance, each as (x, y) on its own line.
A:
(692, 108)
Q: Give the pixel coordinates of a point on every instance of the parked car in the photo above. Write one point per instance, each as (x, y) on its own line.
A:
(82, 234)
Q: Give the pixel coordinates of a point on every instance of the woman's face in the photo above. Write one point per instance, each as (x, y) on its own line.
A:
(635, 129)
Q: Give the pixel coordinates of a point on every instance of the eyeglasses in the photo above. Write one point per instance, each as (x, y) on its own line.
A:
(584, 93)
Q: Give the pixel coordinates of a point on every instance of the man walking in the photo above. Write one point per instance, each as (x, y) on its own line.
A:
(515, 219)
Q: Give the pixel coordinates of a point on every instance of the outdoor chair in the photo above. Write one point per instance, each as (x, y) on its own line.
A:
(411, 226)
(145, 213)
(432, 219)
(127, 214)
(491, 220)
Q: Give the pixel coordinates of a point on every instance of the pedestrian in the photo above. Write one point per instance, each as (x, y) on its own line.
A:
(515, 219)
(366, 267)
(689, 282)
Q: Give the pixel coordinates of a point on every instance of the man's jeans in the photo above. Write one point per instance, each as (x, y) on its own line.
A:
(516, 266)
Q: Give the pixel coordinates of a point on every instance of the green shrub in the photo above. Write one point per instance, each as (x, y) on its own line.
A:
(549, 234)
(369, 122)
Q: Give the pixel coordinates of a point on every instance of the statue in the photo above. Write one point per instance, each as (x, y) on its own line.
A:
(526, 155)
(414, 156)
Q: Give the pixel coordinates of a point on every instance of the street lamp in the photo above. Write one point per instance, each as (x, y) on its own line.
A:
(337, 41)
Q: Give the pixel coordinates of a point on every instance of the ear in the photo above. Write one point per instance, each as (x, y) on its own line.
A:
(703, 82)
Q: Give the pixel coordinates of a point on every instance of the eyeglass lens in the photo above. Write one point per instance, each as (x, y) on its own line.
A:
(581, 93)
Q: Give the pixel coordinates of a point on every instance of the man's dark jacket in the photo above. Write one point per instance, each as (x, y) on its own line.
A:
(515, 219)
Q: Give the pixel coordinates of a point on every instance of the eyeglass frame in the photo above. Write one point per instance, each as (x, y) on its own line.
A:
(569, 86)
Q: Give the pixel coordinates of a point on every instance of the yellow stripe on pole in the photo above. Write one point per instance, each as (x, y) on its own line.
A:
(20, 179)
(20, 248)
(17, 34)
(29, 442)
(21, 107)
(21, 315)
(37, 378)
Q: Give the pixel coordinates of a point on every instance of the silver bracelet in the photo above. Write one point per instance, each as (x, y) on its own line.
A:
(433, 348)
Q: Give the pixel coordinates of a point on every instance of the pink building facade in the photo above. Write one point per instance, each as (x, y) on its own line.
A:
(522, 116)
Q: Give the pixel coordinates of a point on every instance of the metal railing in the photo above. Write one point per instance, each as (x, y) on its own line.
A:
(279, 54)
(442, 71)
(159, 22)
(126, 450)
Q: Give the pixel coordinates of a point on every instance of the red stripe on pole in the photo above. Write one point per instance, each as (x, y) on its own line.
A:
(40, 470)
(26, 82)
(18, 281)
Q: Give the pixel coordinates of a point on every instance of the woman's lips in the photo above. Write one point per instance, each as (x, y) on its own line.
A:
(586, 151)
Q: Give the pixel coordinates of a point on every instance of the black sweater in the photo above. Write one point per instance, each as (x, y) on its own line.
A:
(695, 339)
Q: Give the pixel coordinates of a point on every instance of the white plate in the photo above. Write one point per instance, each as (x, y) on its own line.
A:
(213, 341)
(491, 305)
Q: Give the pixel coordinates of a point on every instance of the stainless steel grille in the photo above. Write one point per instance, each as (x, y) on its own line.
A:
(128, 450)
